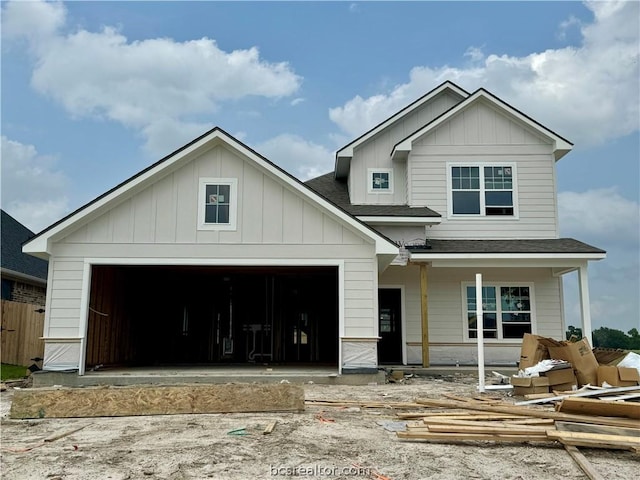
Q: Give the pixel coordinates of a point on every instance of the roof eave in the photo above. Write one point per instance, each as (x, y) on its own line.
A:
(398, 220)
(6, 272)
(507, 256)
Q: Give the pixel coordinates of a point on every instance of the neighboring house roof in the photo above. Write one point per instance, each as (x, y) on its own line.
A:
(530, 248)
(13, 261)
(40, 244)
(345, 153)
(561, 147)
(337, 192)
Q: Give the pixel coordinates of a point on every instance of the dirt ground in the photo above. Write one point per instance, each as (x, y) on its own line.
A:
(301, 445)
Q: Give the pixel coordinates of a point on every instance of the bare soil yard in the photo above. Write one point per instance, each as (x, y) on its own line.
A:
(322, 442)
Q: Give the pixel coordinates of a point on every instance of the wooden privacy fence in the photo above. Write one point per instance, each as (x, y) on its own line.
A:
(22, 329)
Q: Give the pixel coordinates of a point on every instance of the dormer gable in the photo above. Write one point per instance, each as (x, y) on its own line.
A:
(345, 154)
(561, 146)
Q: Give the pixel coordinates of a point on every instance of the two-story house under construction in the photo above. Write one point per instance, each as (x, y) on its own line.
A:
(215, 255)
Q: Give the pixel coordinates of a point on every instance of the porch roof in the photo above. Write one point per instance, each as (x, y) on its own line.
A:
(535, 246)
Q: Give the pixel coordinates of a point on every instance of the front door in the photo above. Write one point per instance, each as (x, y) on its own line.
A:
(389, 326)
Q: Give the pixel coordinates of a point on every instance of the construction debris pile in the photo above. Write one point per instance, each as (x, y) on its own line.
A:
(547, 365)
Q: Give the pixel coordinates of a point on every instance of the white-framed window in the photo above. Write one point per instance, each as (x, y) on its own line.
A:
(486, 189)
(507, 310)
(217, 203)
(380, 180)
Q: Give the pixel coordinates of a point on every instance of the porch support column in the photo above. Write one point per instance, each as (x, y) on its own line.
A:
(424, 313)
(585, 309)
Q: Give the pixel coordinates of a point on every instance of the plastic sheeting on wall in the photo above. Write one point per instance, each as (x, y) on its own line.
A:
(359, 354)
(61, 356)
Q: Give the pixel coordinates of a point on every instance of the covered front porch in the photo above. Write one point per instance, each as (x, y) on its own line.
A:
(528, 271)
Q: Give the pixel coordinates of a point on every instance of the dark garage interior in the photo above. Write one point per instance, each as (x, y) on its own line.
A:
(193, 315)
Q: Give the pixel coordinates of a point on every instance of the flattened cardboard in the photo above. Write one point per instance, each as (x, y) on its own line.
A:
(532, 351)
(618, 376)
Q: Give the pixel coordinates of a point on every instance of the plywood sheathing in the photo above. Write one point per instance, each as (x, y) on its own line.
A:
(156, 400)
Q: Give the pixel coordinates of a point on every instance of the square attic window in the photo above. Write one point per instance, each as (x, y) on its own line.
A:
(380, 180)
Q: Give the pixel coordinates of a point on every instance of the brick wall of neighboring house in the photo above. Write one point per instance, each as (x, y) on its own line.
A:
(26, 293)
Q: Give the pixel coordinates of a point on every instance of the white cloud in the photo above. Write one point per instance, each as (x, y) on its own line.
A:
(297, 101)
(145, 85)
(301, 158)
(33, 191)
(36, 21)
(607, 220)
(601, 216)
(588, 94)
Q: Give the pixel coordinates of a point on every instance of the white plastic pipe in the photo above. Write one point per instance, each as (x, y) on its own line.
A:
(480, 330)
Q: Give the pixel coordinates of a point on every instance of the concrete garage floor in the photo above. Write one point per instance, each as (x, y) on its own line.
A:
(172, 375)
(205, 374)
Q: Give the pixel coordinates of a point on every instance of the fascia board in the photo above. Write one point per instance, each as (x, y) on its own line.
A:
(6, 272)
(380, 220)
(506, 259)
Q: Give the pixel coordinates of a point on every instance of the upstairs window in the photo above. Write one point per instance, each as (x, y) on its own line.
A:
(217, 204)
(380, 180)
(483, 190)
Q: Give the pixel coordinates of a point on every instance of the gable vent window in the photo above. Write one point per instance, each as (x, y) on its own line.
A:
(217, 204)
(484, 190)
(380, 180)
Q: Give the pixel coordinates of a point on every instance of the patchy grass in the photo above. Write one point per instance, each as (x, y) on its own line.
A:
(12, 372)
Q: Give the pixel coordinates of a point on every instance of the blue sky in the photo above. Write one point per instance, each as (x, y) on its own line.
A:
(93, 92)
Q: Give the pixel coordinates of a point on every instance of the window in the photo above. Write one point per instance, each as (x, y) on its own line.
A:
(217, 204)
(506, 311)
(483, 190)
(380, 180)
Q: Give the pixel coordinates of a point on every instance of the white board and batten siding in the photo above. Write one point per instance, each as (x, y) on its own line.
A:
(482, 134)
(375, 153)
(278, 224)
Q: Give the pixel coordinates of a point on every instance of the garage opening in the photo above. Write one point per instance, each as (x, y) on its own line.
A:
(184, 315)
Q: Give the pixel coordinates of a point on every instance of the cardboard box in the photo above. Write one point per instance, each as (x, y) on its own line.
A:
(618, 376)
(527, 385)
(532, 351)
(564, 387)
(561, 376)
(580, 355)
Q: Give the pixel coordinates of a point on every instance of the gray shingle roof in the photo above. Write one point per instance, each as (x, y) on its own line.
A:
(13, 235)
(336, 191)
(551, 245)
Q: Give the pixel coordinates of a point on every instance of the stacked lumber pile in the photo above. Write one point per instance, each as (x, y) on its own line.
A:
(574, 422)
(577, 422)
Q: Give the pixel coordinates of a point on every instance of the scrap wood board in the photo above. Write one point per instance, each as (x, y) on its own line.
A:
(156, 400)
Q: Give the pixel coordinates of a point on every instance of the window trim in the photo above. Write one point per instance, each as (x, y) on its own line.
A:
(233, 203)
(483, 210)
(497, 285)
(370, 189)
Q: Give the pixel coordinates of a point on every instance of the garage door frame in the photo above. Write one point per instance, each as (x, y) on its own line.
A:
(252, 262)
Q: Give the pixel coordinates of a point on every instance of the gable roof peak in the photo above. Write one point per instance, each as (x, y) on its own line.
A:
(346, 152)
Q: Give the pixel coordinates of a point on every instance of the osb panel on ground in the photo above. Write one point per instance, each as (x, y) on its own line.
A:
(156, 400)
